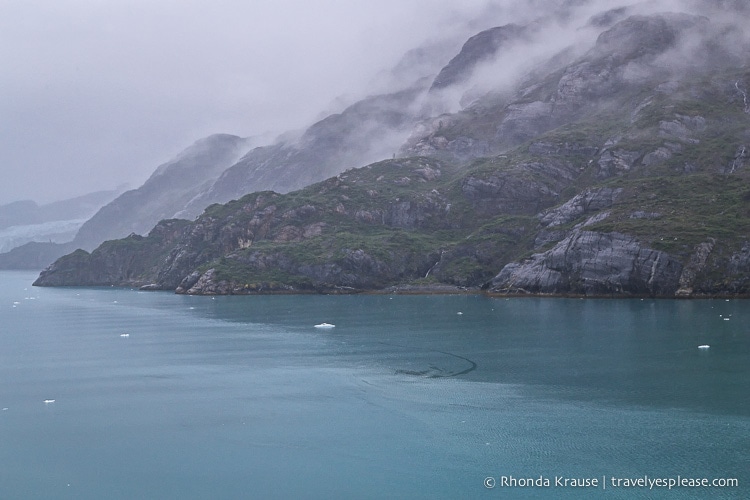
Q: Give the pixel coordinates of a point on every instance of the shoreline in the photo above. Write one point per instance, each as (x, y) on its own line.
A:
(411, 289)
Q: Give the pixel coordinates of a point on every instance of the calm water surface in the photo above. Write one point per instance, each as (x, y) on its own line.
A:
(240, 397)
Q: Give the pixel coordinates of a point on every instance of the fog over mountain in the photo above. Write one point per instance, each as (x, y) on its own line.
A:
(96, 94)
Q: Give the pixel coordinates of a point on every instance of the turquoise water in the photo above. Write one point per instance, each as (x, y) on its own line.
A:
(240, 397)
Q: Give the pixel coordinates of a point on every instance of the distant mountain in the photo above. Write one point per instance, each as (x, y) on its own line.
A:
(48, 226)
(169, 189)
(55, 231)
(27, 212)
(34, 255)
(616, 164)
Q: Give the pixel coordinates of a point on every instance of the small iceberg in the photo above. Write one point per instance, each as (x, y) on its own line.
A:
(704, 346)
(48, 401)
(325, 325)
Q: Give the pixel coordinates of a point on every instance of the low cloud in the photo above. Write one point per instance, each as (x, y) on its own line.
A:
(99, 93)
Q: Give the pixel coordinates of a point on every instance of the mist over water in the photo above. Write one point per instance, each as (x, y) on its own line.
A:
(233, 397)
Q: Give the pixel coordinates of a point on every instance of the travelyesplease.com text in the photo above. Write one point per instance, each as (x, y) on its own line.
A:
(612, 482)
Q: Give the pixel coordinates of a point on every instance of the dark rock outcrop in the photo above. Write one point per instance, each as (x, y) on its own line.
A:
(125, 262)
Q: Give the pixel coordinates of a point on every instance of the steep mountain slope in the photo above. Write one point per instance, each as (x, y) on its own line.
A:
(625, 59)
(364, 132)
(619, 169)
(479, 48)
(165, 193)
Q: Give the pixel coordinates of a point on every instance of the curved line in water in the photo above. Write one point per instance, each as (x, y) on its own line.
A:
(472, 367)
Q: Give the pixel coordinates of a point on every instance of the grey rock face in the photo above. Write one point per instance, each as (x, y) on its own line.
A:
(526, 188)
(682, 128)
(591, 200)
(592, 263)
(696, 265)
(616, 162)
(656, 157)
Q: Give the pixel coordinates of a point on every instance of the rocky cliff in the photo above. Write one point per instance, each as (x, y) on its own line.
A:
(616, 169)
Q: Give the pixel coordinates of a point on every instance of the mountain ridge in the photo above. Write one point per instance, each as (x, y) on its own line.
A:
(566, 184)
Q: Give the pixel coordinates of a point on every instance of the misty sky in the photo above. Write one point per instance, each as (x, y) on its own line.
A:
(95, 93)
